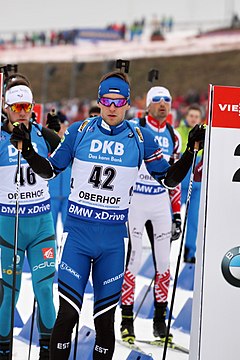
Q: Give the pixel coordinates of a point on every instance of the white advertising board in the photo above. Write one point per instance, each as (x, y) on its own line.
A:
(216, 297)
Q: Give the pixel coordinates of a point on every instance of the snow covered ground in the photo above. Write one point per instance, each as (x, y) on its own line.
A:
(143, 327)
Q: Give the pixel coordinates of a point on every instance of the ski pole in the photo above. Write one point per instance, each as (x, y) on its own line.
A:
(144, 297)
(180, 250)
(149, 229)
(15, 250)
(152, 75)
(31, 330)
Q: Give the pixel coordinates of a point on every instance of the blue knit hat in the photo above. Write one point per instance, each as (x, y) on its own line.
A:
(114, 85)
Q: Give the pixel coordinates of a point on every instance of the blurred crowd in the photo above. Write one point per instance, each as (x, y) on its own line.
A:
(123, 31)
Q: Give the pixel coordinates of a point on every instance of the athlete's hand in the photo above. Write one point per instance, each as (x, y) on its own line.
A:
(176, 227)
(53, 121)
(196, 135)
(21, 138)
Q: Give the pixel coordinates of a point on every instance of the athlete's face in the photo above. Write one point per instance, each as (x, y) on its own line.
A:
(111, 114)
(193, 117)
(20, 112)
(159, 110)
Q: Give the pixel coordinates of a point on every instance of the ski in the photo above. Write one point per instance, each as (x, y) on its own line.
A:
(171, 345)
(131, 346)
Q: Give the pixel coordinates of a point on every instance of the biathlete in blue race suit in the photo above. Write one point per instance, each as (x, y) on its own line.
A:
(36, 234)
(106, 153)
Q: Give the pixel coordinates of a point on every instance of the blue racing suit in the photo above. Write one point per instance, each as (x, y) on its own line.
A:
(35, 235)
(104, 170)
(105, 161)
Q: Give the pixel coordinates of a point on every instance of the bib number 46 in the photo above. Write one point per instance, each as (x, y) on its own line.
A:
(26, 175)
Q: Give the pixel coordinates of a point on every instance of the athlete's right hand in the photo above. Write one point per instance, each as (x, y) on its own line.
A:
(21, 135)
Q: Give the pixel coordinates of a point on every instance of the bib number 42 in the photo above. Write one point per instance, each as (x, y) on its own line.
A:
(102, 177)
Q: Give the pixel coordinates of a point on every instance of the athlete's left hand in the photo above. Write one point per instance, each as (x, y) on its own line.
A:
(196, 135)
(176, 227)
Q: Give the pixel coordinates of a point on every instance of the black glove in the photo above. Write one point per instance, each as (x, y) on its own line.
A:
(53, 122)
(21, 139)
(197, 134)
(176, 227)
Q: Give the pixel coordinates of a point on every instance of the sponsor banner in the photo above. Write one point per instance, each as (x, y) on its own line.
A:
(91, 213)
(226, 107)
(26, 210)
(215, 316)
(148, 189)
(98, 34)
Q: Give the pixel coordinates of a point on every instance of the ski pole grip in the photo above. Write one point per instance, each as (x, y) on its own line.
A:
(19, 145)
(196, 146)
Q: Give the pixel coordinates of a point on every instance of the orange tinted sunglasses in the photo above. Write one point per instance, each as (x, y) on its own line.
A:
(17, 107)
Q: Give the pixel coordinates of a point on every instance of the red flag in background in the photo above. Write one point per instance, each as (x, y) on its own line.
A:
(38, 110)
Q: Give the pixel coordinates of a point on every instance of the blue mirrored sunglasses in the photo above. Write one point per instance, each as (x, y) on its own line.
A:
(117, 102)
(157, 99)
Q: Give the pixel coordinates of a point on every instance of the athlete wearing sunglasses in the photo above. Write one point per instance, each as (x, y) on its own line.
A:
(117, 102)
(36, 235)
(18, 105)
(151, 208)
(158, 98)
(159, 103)
(113, 107)
(105, 153)
(113, 100)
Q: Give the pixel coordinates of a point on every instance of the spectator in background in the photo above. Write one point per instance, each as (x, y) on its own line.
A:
(155, 24)
(82, 111)
(235, 22)
(193, 117)
(163, 24)
(169, 23)
(94, 111)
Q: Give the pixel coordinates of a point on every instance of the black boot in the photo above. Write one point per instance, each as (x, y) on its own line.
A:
(127, 329)
(159, 324)
(44, 353)
(4, 351)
